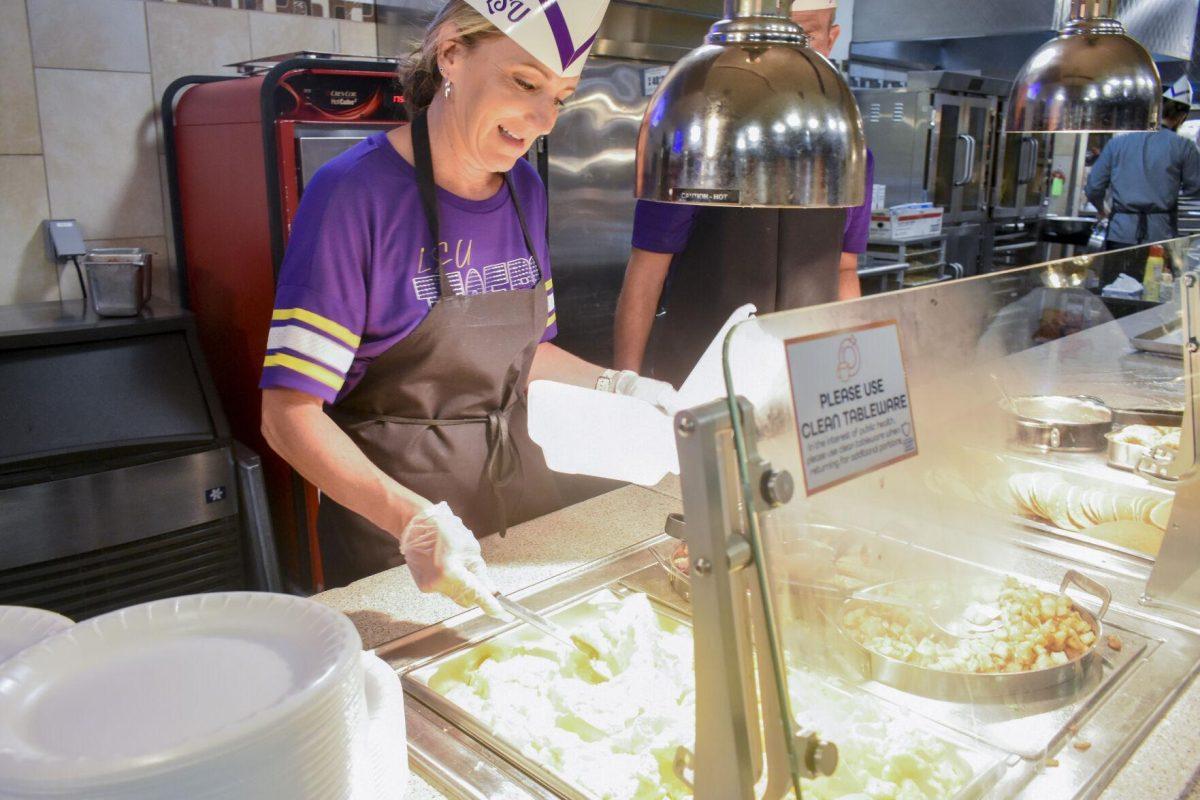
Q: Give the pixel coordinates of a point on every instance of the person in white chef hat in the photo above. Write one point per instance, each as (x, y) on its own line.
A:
(415, 303)
(819, 20)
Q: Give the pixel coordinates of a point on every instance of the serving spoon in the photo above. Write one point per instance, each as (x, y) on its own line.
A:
(947, 618)
(536, 620)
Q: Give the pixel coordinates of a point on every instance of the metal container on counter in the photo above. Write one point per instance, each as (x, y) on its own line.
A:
(118, 280)
(1062, 424)
(998, 686)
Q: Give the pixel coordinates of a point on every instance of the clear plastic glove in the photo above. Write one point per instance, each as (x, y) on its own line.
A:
(444, 557)
(659, 394)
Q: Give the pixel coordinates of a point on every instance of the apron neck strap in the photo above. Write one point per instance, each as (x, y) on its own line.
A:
(423, 162)
(512, 192)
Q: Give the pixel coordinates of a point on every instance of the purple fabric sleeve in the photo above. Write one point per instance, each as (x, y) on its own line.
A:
(663, 227)
(321, 300)
(858, 219)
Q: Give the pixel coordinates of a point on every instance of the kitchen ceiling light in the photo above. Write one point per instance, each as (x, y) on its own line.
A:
(754, 117)
(1092, 77)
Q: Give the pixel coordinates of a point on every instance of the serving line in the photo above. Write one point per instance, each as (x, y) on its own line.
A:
(388, 606)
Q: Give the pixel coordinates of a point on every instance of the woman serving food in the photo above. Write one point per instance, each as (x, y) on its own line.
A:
(415, 303)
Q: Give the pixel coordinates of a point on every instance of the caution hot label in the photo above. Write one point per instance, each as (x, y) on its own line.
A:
(850, 395)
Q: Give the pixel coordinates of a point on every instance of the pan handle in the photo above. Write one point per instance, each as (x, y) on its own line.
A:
(1091, 398)
(1089, 585)
(674, 526)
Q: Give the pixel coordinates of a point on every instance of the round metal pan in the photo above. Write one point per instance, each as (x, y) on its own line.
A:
(1158, 417)
(1145, 461)
(1060, 424)
(1125, 455)
(975, 687)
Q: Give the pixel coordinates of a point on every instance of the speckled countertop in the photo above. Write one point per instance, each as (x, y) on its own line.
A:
(388, 606)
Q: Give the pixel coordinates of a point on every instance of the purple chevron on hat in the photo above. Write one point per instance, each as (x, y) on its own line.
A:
(1180, 91)
(558, 33)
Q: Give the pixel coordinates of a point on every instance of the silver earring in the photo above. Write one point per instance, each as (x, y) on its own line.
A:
(446, 90)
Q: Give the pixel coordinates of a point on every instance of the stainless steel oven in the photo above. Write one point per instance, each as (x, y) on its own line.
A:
(933, 143)
(1021, 170)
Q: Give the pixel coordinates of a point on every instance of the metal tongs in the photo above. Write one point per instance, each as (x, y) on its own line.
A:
(536, 620)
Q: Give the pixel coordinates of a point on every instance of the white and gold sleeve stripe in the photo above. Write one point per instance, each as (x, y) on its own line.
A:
(312, 345)
(324, 324)
(314, 371)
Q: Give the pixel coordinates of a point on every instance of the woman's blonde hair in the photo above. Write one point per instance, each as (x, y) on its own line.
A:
(419, 74)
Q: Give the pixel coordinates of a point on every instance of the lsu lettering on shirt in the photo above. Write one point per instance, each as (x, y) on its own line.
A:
(359, 273)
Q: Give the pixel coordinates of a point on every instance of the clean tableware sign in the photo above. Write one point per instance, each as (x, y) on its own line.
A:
(850, 395)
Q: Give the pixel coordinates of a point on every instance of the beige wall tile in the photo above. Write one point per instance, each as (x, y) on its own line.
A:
(102, 168)
(272, 34)
(89, 34)
(356, 38)
(25, 274)
(162, 279)
(19, 119)
(193, 40)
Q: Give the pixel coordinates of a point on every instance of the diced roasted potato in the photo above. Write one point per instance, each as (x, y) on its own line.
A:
(1038, 630)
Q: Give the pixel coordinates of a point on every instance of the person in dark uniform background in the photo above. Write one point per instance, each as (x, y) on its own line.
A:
(701, 263)
(415, 303)
(1145, 172)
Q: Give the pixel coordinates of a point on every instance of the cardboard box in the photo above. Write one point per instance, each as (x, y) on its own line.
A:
(907, 223)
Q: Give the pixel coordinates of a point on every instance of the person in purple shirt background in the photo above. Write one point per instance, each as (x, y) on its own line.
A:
(415, 303)
(692, 266)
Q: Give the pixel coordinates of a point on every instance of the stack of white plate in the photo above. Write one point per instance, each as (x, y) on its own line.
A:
(22, 627)
(238, 695)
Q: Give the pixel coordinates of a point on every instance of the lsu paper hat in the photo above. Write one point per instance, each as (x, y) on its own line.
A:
(558, 33)
(813, 5)
(1180, 91)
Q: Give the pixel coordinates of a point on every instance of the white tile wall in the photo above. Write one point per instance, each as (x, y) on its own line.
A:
(102, 168)
(89, 34)
(25, 274)
(19, 118)
(356, 38)
(194, 40)
(273, 34)
(79, 134)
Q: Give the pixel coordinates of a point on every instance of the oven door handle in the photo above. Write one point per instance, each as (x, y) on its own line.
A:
(968, 172)
(1029, 156)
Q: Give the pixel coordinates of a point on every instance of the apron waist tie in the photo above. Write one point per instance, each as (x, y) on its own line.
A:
(1143, 219)
(501, 464)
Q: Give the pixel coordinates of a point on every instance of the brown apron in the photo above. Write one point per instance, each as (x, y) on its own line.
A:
(776, 259)
(443, 411)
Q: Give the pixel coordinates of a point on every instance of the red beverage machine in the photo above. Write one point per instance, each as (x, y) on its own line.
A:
(239, 152)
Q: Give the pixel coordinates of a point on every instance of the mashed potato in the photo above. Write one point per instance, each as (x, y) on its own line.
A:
(616, 739)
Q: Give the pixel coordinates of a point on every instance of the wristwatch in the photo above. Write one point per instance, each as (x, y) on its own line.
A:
(605, 382)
